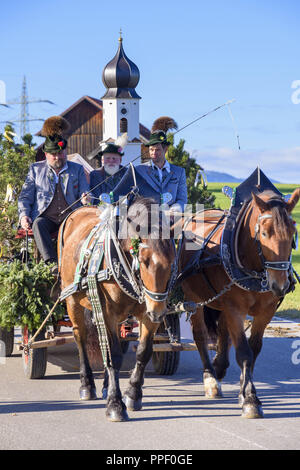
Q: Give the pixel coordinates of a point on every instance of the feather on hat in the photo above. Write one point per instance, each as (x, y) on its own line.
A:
(55, 125)
(159, 130)
(116, 146)
(163, 123)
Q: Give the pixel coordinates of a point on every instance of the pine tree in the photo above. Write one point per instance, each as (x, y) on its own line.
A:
(197, 191)
(14, 163)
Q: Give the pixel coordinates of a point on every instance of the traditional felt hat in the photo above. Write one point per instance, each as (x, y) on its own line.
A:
(115, 147)
(159, 130)
(55, 130)
(112, 148)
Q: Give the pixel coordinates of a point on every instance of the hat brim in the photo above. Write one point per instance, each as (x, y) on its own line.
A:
(52, 146)
(149, 144)
(116, 153)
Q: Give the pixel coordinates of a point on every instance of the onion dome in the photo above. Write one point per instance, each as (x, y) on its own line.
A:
(121, 76)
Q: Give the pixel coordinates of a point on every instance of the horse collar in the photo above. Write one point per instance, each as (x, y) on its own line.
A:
(245, 279)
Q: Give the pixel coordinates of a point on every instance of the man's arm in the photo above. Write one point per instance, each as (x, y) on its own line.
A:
(26, 199)
(93, 182)
(83, 186)
(181, 197)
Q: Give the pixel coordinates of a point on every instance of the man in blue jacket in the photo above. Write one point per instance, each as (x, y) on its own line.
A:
(106, 178)
(162, 176)
(51, 186)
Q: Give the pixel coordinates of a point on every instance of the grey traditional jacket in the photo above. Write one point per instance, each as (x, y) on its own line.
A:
(174, 182)
(39, 188)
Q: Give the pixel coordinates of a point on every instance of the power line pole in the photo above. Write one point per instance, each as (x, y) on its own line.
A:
(24, 101)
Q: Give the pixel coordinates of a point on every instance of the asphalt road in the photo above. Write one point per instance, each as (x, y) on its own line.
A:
(47, 414)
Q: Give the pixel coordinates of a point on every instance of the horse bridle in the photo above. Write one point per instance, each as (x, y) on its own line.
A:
(159, 296)
(276, 265)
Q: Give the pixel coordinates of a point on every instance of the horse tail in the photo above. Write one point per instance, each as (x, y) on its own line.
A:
(211, 317)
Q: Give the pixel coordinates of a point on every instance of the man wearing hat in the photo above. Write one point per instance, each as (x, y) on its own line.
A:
(162, 176)
(111, 171)
(51, 186)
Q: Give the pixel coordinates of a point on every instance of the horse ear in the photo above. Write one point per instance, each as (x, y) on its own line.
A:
(290, 205)
(263, 206)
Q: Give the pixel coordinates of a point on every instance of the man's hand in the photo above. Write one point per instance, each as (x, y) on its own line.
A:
(175, 207)
(25, 222)
(85, 199)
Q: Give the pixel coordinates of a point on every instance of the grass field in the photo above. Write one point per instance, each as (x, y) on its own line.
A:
(290, 307)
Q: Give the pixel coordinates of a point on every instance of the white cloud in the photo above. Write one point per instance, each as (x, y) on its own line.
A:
(282, 165)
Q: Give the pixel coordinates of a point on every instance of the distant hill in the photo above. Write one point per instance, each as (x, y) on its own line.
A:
(218, 177)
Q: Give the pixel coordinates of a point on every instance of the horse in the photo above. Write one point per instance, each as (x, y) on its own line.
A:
(264, 244)
(156, 257)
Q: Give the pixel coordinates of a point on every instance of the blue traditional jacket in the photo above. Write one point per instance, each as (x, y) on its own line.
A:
(173, 182)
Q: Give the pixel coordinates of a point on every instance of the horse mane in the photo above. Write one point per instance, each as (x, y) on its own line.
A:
(282, 221)
(140, 224)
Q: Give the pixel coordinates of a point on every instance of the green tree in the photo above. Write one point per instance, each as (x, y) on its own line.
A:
(14, 163)
(197, 192)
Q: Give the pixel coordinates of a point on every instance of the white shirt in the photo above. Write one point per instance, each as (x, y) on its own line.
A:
(160, 173)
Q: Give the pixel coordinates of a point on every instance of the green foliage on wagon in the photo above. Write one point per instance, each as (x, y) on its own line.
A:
(25, 294)
(15, 160)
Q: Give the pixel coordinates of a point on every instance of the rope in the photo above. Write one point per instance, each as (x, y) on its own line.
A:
(234, 125)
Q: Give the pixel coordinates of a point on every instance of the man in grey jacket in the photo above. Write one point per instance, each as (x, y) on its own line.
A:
(51, 186)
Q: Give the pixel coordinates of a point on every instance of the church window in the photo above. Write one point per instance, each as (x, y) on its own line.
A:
(123, 125)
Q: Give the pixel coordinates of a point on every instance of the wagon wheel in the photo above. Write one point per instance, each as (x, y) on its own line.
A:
(7, 338)
(35, 361)
(166, 363)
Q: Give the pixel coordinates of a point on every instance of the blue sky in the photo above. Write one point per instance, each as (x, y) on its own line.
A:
(192, 57)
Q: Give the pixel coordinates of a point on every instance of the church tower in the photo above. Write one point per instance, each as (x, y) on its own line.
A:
(121, 103)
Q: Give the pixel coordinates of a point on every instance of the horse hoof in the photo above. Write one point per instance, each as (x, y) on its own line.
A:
(215, 392)
(117, 416)
(251, 411)
(132, 405)
(87, 394)
(212, 388)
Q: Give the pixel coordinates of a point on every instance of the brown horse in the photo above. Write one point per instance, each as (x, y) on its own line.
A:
(156, 258)
(265, 237)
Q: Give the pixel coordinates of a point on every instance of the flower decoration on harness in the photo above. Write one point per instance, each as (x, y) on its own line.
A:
(134, 248)
(134, 251)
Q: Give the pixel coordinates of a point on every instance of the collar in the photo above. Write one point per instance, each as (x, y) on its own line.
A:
(166, 166)
(64, 168)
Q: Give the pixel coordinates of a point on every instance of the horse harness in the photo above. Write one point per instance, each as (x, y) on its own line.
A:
(102, 243)
(229, 259)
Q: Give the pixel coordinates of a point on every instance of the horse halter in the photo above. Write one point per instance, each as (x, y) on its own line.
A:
(276, 265)
(156, 296)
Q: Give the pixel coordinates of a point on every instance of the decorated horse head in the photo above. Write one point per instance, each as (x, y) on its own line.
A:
(242, 266)
(153, 248)
(273, 233)
(115, 266)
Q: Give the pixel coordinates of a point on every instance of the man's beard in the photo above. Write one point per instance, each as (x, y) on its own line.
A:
(111, 170)
(58, 164)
